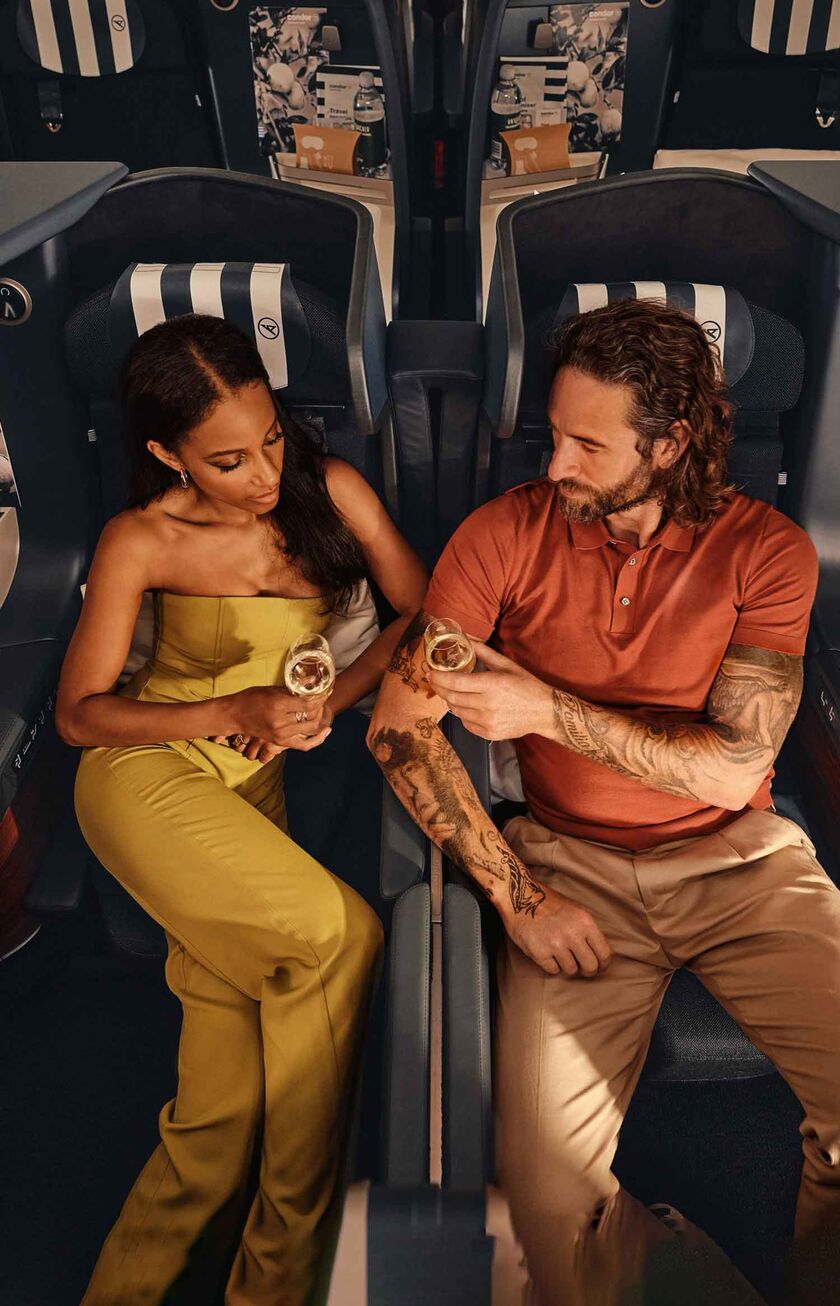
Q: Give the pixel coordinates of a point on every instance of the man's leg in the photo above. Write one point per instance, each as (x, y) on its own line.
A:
(761, 929)
(569, 1052)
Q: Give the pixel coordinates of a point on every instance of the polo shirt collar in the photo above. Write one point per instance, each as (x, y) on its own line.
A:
(591, 535)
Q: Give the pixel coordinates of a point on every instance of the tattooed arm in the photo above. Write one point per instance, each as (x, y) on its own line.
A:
(750, 708)
(721, 761)
(427, 776)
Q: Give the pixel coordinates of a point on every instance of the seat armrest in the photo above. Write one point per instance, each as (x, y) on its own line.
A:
(475, 756)
(404, 849)
(435, 452)
(61, 877)
(467, 1111)
(28, 677)
(407, 1042)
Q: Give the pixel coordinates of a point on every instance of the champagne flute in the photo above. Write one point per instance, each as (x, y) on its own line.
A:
(310, 668)
(447, 647)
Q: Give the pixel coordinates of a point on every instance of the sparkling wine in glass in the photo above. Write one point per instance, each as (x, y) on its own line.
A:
(310, 668)
(447, 647)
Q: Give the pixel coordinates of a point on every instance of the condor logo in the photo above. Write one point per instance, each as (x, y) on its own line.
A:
(712, 330)
(118, 23)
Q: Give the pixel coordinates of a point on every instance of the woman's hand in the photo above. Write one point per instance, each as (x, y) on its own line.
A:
(276, 717)
(308, 734)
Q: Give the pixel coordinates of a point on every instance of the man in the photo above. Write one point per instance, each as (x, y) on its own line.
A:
(647, 625)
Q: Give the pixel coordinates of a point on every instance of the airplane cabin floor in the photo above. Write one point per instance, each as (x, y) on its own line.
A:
(88, 1059)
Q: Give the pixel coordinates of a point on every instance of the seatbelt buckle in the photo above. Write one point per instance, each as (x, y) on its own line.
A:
(49, 101)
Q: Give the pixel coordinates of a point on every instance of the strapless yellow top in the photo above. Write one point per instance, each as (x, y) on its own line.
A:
(208, 647)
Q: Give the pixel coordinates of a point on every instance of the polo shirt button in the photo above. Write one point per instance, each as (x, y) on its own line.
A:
(625, 603)
(632, 562)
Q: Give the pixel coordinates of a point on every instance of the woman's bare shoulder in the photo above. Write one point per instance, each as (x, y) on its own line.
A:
(349, 490)
(138, 538)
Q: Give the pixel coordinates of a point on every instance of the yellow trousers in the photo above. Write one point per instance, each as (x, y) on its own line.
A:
(272, 959)
(754, 915)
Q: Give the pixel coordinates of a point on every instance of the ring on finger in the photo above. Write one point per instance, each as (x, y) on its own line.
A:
(238, 740)
(301, 716)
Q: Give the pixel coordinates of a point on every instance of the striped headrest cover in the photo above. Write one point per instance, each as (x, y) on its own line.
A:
(721, 311)
(82, 38)
(790, 26)
(259, 298)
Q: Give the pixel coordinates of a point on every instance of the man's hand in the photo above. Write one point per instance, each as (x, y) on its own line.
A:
(559, 936)
(502, 702)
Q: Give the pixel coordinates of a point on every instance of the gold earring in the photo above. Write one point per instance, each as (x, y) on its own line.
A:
(185, 480)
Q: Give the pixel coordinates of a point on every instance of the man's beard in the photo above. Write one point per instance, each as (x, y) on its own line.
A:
(640, 486)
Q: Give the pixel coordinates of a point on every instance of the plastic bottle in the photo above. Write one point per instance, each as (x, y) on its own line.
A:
(369, 120)
(505, 113)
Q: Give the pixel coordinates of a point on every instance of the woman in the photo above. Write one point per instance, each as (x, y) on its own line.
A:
(248, 537)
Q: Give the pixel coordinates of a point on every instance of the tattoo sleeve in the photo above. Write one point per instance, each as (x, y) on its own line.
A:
(428, 777)
(750, 707)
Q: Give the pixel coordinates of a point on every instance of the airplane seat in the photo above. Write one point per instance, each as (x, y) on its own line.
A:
(321, 289)
(315, 311)
(96, 84)
(301, 334)
(243, 48)
(754, 79)
(632, 86)
(768, 295)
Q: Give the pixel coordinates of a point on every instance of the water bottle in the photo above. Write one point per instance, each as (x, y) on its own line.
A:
(369, 120)
(505, 113)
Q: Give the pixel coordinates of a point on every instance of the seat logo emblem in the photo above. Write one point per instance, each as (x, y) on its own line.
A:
(118, 23)
(15, 303)
(712, 330)
(269, 328)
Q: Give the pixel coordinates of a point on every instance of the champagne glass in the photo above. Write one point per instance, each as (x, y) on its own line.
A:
(310, 668)
(447, 647)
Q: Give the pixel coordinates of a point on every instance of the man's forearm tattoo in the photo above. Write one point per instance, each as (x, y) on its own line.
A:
(750, 707)
(428, 777)
(402, 659)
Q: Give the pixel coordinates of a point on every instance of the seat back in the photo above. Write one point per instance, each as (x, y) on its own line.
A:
(271, 67)
(314, 311)
(757, 73)
(606, 72)
(743, 298)
(96, 82)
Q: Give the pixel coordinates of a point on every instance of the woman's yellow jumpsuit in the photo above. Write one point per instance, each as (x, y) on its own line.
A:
(270, 955)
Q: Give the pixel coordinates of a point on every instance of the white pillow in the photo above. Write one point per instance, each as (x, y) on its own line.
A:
(505, 780)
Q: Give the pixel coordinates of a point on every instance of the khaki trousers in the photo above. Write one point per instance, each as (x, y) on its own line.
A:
(751, 912)
(272, 959)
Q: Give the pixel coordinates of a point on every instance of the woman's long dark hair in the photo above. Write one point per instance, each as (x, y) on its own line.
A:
(172, 379)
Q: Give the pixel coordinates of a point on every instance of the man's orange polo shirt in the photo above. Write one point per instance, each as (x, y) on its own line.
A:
(641, 630)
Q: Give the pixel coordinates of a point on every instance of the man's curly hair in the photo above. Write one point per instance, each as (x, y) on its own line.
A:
(673, 374)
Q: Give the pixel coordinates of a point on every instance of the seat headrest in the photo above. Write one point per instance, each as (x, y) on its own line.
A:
(721, 311)
(763, 354)
(82, 38)
(792, 27)
(259, 298)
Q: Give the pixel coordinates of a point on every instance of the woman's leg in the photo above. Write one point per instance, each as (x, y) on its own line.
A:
(260, 915)
(184, 1198)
